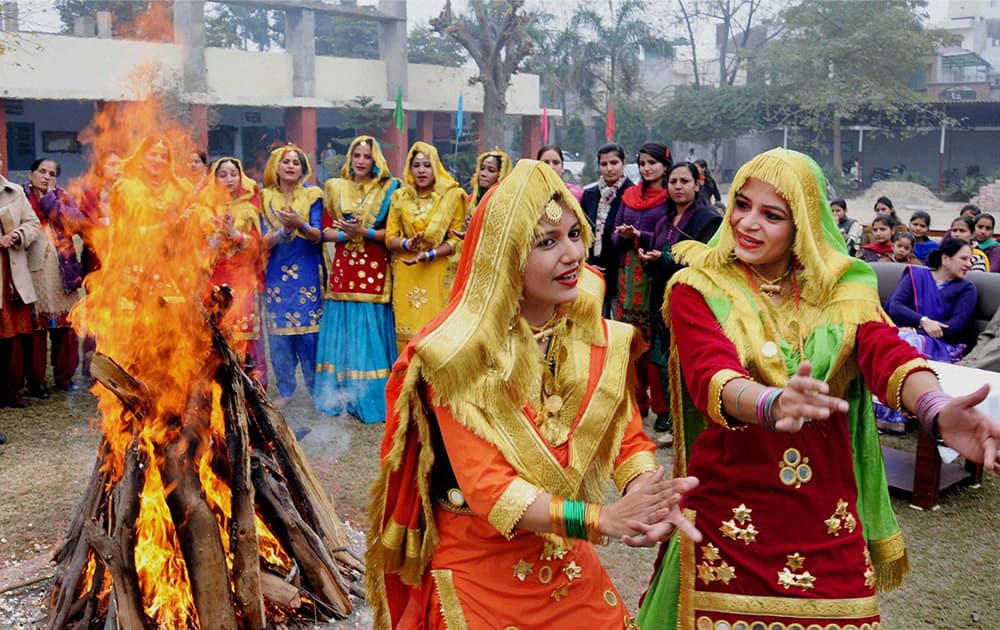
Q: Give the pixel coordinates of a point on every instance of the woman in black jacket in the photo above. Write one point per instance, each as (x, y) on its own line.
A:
(600, 203)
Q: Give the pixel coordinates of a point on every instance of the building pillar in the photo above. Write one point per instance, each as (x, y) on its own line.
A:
(426, 127)
(300, 128)
(392, 47)
(3, 139)
(397, 142)
(300, 40)
(531, 135)
(189, 30)
(199, 126)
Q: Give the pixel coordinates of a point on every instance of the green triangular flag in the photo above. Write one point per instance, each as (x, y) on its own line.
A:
(398, 114)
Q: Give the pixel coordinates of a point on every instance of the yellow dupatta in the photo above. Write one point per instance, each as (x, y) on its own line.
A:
(344, 196)
(504, 169)
(445, 195)
(273, 199)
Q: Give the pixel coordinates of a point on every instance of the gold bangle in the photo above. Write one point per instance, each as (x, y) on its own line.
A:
(592, 522)
(556, 520)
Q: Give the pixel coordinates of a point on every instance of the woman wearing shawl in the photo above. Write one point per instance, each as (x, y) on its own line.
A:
(508, 413)
(232, 201)
(491, 167)
(642, 208)
(781, 342)
(933, 306)
(424, 216)
(294, 275)
(356, 339)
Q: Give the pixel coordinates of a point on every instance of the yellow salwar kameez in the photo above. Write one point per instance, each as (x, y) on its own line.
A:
(420, 291)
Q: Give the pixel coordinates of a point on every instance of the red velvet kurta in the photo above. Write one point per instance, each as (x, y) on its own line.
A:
(778, 510)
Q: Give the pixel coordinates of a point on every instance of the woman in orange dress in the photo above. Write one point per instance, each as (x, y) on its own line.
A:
(509, 414)
(233, 205)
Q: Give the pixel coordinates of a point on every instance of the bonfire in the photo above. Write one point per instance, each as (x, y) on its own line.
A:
(201, 510)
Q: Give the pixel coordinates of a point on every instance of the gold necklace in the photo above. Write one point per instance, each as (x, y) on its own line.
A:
(770, 286)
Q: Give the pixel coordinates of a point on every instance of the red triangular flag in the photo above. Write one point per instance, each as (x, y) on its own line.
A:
(609, 130)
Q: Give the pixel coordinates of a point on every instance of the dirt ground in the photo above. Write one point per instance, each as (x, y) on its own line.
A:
(954, 551)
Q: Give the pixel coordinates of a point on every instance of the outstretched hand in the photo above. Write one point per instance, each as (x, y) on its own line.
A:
(666, 520)
(649, 256)
(970, 431)
(805, 399)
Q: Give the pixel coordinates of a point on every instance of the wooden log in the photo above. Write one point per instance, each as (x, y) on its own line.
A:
(196, 526)
(244, 545)
(279, 592)
(117, 551)
(313, 501)
(300, 540)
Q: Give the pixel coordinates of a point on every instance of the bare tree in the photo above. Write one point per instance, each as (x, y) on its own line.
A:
(496, 39)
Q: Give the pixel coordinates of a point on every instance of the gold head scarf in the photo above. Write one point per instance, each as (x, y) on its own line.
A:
(272, 198)
(244, 212)
(443, 181)
(481, 321)
(504, 165)
(132, 165)
(380, 168)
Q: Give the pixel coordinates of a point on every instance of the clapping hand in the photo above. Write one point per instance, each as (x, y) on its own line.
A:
(649, 256)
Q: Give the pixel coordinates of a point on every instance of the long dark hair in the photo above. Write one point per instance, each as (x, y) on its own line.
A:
(949, 247)
(659, 152)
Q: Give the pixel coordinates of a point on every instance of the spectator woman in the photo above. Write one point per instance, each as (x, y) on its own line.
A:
(357, 339)
(919, 226)
(19, 227)
(232, 202)
(983, 239)
(491, 167)
(508, 416)
(294, 275)
(850, 229)
(642, 208)
(552, 155)
(425, 216)
(709, 189)
(933, 306)
(600, 202)
(881, 235)
(688, 217)
(57, 276)
(883, 205)
(963, 228)
(779, 335)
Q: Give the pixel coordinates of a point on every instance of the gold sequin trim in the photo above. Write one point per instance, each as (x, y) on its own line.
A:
(706, 623)
(794, 607)
(545, 574)
(451, 607)
(641, 462)
(894, 389)
(794, 469)
(715, 386)
(610, 598)
(887, 550)
(523, 569)
(512, 505)
(354, 375)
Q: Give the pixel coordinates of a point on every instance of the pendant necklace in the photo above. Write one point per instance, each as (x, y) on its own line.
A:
(771, 287)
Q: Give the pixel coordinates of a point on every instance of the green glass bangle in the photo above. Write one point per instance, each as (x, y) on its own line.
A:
(573, 517)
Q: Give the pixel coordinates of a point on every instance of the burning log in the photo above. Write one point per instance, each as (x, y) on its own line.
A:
(286, 545)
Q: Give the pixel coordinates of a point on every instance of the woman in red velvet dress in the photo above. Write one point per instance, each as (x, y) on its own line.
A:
(780, 342)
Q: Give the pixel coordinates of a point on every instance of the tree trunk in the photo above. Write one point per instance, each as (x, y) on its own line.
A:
(838, 158)
(494, 108)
